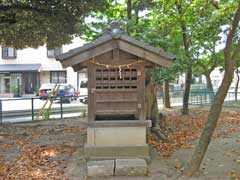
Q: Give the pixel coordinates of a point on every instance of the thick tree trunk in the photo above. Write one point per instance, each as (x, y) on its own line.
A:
(237, 83)
(151, 100)
(151, 106)
(188, 80)
(166, 95)
(209, 86)
(210, 126)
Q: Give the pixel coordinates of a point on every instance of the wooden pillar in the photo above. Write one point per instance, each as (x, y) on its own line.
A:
(141, 91)
(91, 92)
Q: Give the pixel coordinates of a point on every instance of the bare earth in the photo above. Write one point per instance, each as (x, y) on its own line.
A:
(54, 150)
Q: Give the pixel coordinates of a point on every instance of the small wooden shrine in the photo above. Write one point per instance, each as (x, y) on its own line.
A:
(116, 73)
(116, 83)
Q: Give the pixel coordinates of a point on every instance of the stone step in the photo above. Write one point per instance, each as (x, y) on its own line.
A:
(130, 167)
(94, 152)
(100, 168)
(118, 167)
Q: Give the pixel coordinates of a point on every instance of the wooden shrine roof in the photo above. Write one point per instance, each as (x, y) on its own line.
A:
(115, 38)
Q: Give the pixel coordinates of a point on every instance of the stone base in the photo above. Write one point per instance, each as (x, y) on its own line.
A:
(93, 152)
(100, 168)
(118, 167)
(131, 167)
(110, 136)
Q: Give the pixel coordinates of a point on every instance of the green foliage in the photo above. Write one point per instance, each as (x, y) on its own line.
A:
(208, 62)
(84, 113)
(204, 23)
(160, 75)
(33, 23)
(95, 25)
(159, 23)
(14, 89)
(209, 37)
(141, 27)
(46, 115)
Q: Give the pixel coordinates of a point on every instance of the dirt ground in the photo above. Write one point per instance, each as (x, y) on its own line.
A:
(54, 149)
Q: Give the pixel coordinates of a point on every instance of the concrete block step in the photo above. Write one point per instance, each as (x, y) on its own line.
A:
(117, 167)
(116, 152)
(130, 167)
(100, 168)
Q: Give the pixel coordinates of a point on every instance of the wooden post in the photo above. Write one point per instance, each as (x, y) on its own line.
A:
(91, 92)
(141, 91)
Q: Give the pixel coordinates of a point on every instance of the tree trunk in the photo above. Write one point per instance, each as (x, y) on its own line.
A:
(209, 86)
(237, 83)
(151, 100)
(216, 107)
(200, 79)
(210, 126)
(188, 80)
(151, 106)
(186, 44)
(129, 15)
(209, 82)
(166, 95)
(137, 15)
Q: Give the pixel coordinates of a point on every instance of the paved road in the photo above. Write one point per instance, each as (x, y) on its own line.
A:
(25, 104)
(29, 118)
(12, 106)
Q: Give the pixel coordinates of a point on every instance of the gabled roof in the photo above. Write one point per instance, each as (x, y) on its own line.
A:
(115, 38)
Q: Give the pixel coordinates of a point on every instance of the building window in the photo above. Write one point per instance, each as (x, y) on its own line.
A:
(8, 52)
(58, 77)
(51, 53)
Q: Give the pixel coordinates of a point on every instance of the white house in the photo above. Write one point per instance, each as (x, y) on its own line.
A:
(28, 68)
(216, 78)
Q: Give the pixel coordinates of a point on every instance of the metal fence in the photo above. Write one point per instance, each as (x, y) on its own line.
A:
(200, 97)
(26, 109)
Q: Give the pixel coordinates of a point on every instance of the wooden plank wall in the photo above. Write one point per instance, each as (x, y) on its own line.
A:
(109, 95)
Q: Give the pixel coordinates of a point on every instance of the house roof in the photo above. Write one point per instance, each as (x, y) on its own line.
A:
(20, 67)
(115, 38)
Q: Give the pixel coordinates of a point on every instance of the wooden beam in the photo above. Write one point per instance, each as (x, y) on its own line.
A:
(78, 67)
(148, 64)
(142, 53)
(119, 123)
(88, 54)
(141, 91)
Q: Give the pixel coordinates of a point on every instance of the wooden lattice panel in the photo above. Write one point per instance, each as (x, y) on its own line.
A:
(115, 78)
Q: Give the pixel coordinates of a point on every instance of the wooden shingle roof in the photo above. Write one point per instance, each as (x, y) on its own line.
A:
(115, 38)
